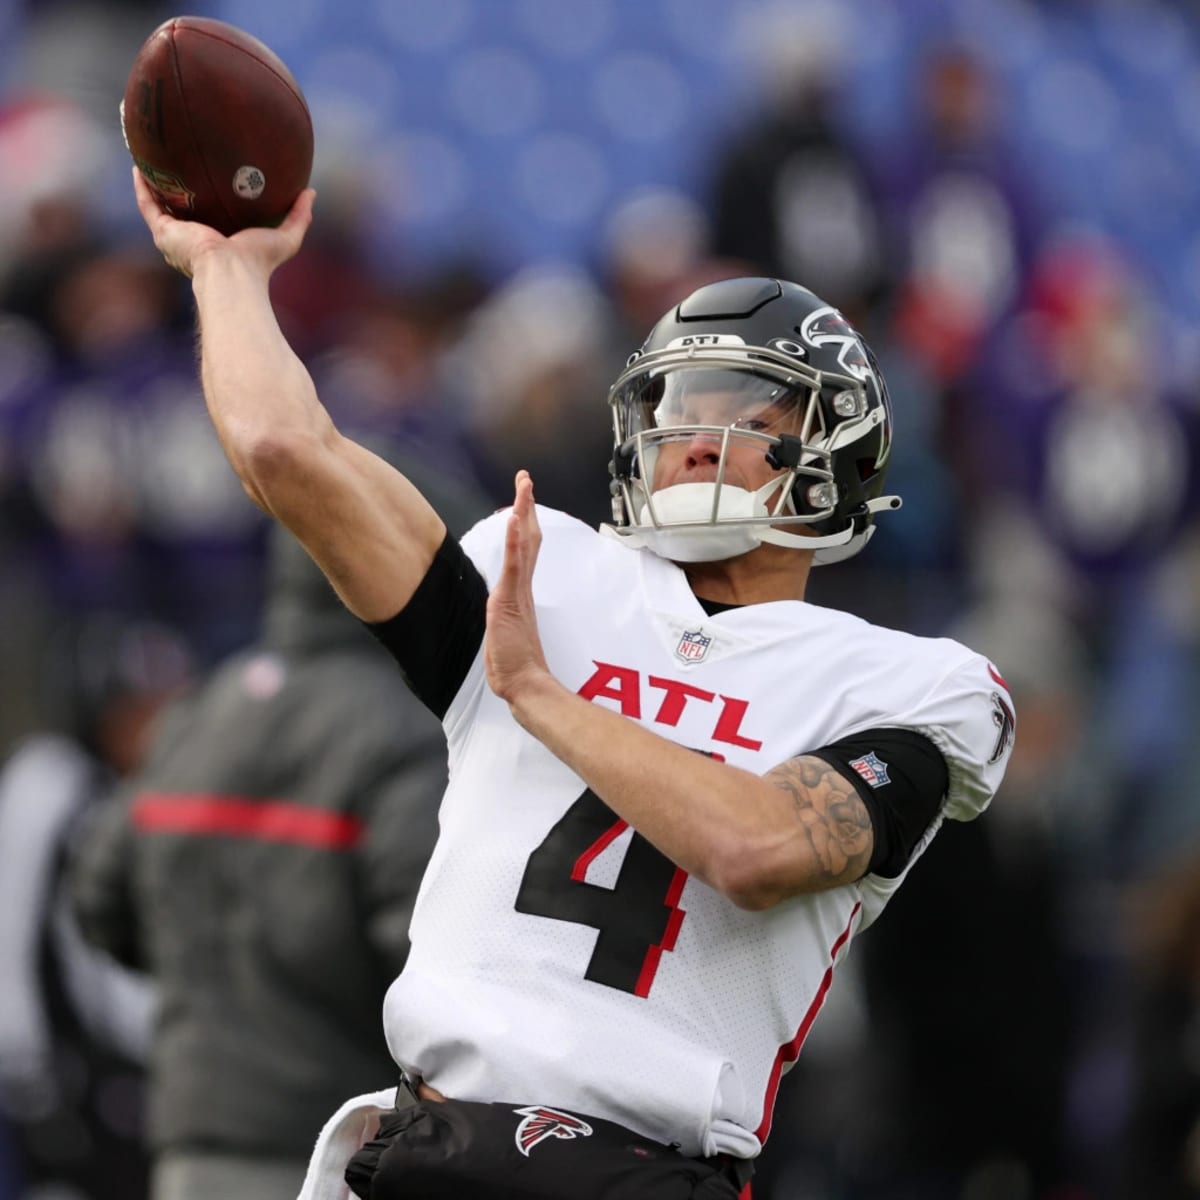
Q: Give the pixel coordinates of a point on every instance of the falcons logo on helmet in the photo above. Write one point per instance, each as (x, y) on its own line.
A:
(1005, 722)
(827, 326)
(541, 1123)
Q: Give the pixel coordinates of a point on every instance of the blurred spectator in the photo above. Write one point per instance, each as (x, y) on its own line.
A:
(656, 249)
(532, 368)
(960, 208)
(97, 299)
(1077, 415)
(1162, 1149)
(386, 375)
(322, 294)
(262, 868)
(791, 195)
(50, 150)
(51, 155)
(1086, 463)
(73, 1026)
(125, 498)
(961, 221)
(653, 243)
(25, 361)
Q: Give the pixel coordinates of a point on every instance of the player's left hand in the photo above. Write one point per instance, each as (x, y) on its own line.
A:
(512, 649)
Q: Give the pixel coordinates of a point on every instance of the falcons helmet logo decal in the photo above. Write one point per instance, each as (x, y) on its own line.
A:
(1006, 724)
(827, 326)
(541, 1123)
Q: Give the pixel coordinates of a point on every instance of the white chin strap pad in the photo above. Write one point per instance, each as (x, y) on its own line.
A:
(689, 531)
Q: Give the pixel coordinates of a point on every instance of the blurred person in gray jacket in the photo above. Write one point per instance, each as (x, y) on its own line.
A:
(74, 1025)
(262, 868)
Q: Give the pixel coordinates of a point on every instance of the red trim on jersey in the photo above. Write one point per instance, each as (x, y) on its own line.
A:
(998, 678)
(790, 1051)
(580, 869)
(265, 820)
(654, 955)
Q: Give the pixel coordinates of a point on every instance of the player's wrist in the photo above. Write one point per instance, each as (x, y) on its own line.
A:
(222, 261)
(533, 695)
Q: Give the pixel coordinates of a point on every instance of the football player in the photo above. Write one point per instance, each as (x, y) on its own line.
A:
(677, 790)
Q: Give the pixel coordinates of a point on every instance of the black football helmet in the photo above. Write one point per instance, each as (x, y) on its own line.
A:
(757, 362)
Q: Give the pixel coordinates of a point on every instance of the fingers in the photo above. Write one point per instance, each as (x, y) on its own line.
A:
(522, 537)
(513, 648)
(162, 224)
(523, 503)
(524, 515)
(147, 201)
(522, 493)
(158, 221)
(300, 217)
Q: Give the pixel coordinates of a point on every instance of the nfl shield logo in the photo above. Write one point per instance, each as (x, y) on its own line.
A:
(693, 646)
(873, 769)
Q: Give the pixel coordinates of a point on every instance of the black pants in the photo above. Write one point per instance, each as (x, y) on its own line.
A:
(464, 1150)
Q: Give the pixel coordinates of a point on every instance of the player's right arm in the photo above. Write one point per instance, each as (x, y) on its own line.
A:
(371, 532)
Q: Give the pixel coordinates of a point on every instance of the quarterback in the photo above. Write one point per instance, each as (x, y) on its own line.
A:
(677, 789)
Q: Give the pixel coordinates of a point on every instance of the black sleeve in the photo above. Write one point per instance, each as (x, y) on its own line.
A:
(437, 634)
(902, 778)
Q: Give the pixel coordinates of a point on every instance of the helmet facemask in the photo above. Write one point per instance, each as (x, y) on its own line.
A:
(721, 399)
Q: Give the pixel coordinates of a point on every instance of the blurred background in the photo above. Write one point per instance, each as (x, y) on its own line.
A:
(1000, 193)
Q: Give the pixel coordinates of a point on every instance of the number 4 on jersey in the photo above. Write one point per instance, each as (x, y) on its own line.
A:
(638, 919)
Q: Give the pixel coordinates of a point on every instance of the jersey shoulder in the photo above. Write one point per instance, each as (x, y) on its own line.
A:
(946, 691)
(924, 654)
(567, 543)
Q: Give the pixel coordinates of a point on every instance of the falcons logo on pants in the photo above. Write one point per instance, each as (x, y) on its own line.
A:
(541, 1123)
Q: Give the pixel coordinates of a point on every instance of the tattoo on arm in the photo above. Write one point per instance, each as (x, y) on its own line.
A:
(832, 818)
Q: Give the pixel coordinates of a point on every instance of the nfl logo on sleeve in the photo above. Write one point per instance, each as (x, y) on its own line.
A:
(693, 646)
(873, 769)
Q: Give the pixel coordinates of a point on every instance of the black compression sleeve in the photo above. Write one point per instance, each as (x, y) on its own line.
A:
(437, 634)
(902, 778)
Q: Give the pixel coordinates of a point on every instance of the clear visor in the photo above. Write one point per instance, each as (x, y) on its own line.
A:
(713, 398)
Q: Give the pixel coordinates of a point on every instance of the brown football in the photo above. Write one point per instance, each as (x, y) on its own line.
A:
(217, 125)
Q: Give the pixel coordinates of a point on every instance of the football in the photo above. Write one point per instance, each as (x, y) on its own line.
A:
(217, 125)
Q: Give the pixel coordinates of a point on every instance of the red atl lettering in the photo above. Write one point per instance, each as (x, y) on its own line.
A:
(729, 724)
(676, 698)
(615, 683)
(623, 684)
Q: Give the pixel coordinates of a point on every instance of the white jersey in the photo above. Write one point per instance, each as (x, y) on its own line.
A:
(558, 959)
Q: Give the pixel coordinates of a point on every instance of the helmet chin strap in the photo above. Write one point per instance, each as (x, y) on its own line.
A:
(688, 532)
